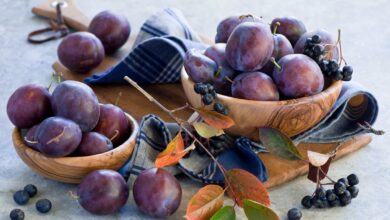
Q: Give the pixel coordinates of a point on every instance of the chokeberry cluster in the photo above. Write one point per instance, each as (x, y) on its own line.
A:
(208, 95)
(21, 197)
(344, 190)
(330, 68)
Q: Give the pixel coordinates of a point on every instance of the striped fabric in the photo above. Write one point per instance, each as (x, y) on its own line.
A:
(157, 54)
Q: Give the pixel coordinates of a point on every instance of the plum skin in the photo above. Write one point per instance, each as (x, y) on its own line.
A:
(282, 48)
(113, 123)
(157, 192)
(255, 86)
(250, 46)
(226, 26)
(103, 192)
(199, 67)
(291, 27)
(112, 29)
(58, 137)
(29, 105)
(93, 143)
(299, 76)
(217, 53)
(76, 101)
(80, 52)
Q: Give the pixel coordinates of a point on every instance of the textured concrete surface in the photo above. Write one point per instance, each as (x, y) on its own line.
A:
(365, 36)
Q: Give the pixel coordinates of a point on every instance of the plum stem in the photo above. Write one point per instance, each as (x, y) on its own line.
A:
(246, 16)
(276, 27)
(115, 135)
(228, 79)
(117, 98)
(275, 63)
(57, 138)
(29, 141)
(218, 72)
(179, 122)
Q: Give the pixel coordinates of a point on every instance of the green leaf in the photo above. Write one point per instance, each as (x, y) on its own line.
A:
(279, 144)
(225, 213)
(255, 211)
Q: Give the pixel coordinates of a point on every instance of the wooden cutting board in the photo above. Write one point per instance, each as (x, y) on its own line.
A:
(172, 96)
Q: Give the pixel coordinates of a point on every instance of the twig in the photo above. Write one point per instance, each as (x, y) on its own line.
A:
(367, 127)
(179, 122)
(180, 108)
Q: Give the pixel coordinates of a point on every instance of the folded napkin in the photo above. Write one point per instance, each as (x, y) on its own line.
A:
(157, 57)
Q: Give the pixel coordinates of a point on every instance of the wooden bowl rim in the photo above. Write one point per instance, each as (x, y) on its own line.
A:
(18, 143)
(334, 87)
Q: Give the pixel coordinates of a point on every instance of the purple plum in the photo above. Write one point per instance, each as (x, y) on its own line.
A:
(255, 86)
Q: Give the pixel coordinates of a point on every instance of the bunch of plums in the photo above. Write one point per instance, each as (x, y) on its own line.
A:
(82, 51)
(256, 61)
(68, 122)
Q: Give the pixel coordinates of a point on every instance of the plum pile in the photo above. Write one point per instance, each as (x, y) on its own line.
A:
(82, 51)
(256, 61)
(69, 122)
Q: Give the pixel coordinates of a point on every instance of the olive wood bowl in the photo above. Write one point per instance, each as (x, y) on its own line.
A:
(73, 169)
(292, 116)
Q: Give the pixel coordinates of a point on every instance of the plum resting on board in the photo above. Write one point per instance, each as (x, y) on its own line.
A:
(157, 192)
(255, 86)
(80, 52)
(112, 29)
(93, 143)
(290, 27)
(103, 192)
(113, 123)
(76, 101)
(299, 76)
(28, 105)
(250, 46)
(220, 82)
(58, 137)
(226, 26)
(199, 67)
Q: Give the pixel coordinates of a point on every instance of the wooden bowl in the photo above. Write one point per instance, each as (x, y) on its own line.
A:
(290, 116)
(73, 169)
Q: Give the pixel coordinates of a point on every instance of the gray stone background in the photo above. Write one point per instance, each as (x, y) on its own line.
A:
(366, 44)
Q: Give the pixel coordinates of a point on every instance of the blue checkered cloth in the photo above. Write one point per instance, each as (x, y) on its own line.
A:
(157, 57)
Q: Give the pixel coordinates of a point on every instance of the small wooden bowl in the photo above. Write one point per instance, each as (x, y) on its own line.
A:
(73, 169)
(290, 116)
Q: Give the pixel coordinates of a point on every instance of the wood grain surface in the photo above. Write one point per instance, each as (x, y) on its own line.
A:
(73, 169)
(173, 96)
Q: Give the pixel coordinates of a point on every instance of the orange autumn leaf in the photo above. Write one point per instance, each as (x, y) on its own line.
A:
(215, 119)
(205, 203)
(172, 154)
(244, 185)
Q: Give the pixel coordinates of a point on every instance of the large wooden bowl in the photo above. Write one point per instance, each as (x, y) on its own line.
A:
(73, 169)
(290, 116)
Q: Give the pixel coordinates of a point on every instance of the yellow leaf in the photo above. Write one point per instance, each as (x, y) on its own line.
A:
(215, 119)
(206, 131)
(173, 153)
(205, 203)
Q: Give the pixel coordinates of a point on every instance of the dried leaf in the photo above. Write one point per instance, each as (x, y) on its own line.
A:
(279, 144)
(255, 211)
(244, 185)
(206, 131)
(215, 119)
(173, 153)
(225, 213)
(315, 174)
(207, 201)
(317, 159)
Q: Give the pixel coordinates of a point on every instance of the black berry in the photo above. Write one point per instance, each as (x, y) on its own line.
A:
(347, 78)
(338, 75)
(207, 99)
(343, 180)
(294, 214)
(43, 205)
(31, 190)
(200, 88)
(21, 197)
(353, 179)
(345, 198)
(318, 49)
(16, 214)
(339, 188)
(347, 70)
(334, 203)
(316, 39)
(354, 190)
(321, 193)
(330, 195)
(318, 203)
(218, 107)
(333, 66)
(306, 202)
